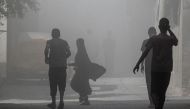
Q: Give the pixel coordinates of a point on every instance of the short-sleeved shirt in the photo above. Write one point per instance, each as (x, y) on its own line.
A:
(162, 59)
(58, 52)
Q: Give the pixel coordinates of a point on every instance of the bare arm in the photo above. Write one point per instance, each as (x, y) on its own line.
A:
(143, 47)
(68, 52)
(142, 66)
(46, 52)
(144, 54)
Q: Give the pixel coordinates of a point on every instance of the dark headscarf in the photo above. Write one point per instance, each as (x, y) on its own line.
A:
(81, 58)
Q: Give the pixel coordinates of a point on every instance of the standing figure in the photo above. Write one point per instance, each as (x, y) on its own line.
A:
(162, 62)
(146, 66)
(56, 53)
(80, 80)
(109, 47)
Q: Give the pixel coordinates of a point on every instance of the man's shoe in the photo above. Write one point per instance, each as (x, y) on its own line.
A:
(85, 103)
(51, 105)
(61, 106)
(151, 106)
(80, 99)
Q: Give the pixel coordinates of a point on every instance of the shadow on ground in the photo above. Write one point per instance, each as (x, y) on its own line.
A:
(103, 105)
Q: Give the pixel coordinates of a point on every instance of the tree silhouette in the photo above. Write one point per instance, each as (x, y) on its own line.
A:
(16, 8)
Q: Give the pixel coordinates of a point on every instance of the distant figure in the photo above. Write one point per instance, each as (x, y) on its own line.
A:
(56, 53)
(109, 46)
(80, 80)
(162, 62)
(147, 66)
(93, 47)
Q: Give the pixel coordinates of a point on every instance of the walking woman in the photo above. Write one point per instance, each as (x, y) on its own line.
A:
(80, 80)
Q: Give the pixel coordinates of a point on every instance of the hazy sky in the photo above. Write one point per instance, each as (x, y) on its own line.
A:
(121, 24)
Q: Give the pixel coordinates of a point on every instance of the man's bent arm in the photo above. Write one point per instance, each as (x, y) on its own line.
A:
(174, 38)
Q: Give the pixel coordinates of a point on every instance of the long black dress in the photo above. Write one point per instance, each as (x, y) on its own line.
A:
(80, 80)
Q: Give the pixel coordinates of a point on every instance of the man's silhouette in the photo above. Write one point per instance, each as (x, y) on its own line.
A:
(162, 61)
(146, 66)
(56, 53)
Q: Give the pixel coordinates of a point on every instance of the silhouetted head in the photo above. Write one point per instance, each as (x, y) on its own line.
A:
(80, 43)
(152, 31)
(164, 25)
(55, 33)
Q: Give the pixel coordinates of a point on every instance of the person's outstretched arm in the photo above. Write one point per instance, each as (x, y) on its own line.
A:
(142, 66)
(174, 38)
(143, 47)
(144, 54)
(68, 52)
(46, 52)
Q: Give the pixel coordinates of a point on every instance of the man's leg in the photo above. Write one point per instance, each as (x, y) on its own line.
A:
(155, 88)
(62, 84)
(165, 83)
(53, 88)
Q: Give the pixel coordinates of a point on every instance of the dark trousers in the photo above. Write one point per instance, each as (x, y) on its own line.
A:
(57, 79)
(159, 85)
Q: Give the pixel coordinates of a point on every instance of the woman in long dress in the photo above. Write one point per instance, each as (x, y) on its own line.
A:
(80, 80)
